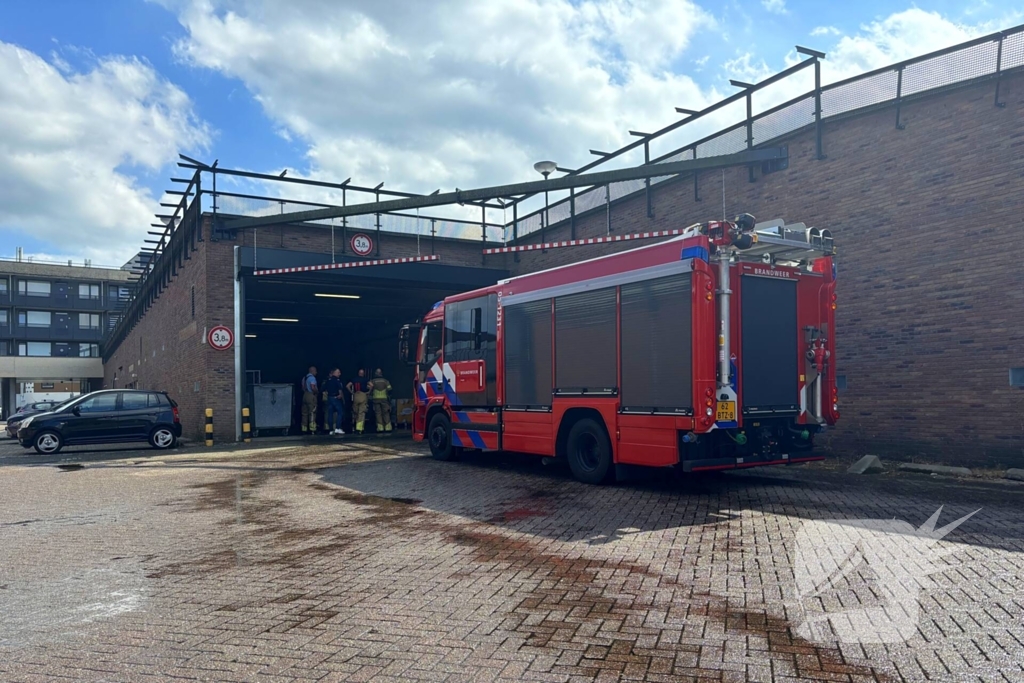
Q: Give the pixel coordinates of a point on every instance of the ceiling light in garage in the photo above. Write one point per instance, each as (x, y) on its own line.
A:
(337, 296)
(280, 320)
(250, 336)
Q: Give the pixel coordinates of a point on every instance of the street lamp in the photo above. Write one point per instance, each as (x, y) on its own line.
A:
(545, 168)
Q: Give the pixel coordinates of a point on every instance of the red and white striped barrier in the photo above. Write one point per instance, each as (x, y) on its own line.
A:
(350, 264)
(591, 240)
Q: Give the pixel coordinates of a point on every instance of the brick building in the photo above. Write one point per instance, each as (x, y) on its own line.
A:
(922, 191)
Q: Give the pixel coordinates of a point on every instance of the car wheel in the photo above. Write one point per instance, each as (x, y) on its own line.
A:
(48, 443)
(439, 436)
(162, 438)
(589, 452)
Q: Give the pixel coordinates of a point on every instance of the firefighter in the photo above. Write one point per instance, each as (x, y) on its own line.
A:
(358, 388)
(309, 402)
(381, 401)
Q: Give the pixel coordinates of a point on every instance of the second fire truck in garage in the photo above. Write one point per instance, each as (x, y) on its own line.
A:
(712, 350)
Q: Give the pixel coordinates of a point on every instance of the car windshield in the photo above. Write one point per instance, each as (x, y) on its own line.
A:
(68, 403)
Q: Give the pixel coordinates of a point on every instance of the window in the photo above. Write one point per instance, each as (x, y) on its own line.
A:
(33, 288)
(159, 401)
(88, 321)
(39, 349)
(88, 350)
(132, 401)
(88, 291)
(34, 318)
(4, 349)
(1017, 377)
(3, 317)
(101, 403)
(3, 285)
(431, 348)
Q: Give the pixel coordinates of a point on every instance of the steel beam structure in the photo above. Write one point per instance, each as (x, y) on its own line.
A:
(501, 191)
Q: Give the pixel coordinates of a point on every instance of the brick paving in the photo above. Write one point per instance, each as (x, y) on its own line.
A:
(375, 563)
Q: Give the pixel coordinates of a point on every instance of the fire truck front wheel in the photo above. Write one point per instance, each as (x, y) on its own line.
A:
(589, 452)
(439, 436)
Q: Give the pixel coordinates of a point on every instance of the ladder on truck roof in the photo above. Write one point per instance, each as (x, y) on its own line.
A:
(796, 244)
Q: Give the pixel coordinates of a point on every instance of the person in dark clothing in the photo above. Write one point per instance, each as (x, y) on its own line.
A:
(335, 393)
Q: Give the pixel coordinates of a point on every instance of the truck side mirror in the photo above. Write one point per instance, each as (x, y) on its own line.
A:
(408, 338)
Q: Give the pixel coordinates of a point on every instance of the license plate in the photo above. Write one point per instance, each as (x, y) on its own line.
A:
(726, 411)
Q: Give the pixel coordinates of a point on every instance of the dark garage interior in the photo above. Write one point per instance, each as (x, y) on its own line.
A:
(345, 318)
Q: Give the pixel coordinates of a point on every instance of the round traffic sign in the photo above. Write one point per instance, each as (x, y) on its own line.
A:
(362, 244)
(220, 338)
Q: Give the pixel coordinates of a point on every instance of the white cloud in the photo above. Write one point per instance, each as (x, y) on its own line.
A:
(747, 68)
(455, 93)
(899, 36)
(69, 142)
(825, 31)
(775, 6)
(465, 93)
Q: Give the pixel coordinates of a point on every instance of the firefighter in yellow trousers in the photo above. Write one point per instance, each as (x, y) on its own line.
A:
(379, 390)
(358, 388)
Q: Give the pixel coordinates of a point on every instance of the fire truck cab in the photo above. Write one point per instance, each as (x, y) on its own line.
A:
(711, 350)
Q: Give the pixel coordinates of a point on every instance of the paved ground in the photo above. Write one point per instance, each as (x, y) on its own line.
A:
(369, 561)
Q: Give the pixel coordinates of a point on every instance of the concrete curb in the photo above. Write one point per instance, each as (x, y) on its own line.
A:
(936, 469)
(869, 464)
(1015, 474)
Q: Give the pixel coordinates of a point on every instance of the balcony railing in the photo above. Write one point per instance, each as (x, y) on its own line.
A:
(56, 302)
(68, 334)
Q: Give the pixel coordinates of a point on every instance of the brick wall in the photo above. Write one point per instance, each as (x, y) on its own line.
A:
(928, 223)
(392, 245)
(166, 350)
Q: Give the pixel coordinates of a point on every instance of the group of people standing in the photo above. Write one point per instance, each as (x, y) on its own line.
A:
(332, 394)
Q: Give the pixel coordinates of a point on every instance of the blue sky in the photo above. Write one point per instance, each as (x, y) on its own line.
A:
(419, 95)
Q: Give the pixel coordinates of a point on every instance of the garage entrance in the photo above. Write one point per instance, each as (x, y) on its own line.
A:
(346, 318)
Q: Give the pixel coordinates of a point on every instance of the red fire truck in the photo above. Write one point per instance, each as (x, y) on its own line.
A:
(711, 350)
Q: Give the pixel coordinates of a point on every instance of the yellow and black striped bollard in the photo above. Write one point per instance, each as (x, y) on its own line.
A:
(246, 432)
(209, 426)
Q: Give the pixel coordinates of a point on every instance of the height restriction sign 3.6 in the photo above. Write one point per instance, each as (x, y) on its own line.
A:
(220, 338)
(361, 244)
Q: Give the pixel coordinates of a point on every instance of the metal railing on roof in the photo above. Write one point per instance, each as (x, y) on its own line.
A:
(988, 57)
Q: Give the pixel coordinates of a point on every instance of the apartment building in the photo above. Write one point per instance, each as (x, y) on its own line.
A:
(52, 320)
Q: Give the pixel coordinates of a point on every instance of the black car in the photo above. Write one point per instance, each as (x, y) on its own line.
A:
(25, 411)
(110, 416)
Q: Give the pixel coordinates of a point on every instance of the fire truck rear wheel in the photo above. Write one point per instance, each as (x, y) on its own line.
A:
(439, 436)
(589, 452)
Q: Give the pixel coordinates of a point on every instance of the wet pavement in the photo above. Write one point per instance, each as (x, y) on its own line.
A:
(354, 561)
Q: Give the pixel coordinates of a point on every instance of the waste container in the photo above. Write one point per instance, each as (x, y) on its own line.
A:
(272, 408)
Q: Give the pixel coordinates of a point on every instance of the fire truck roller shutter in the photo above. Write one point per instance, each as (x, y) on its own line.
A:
(585, 343)
(657, 324)
(769, 343)
(527, 330)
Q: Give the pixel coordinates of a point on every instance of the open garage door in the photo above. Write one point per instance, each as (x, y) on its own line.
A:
(345, 318)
